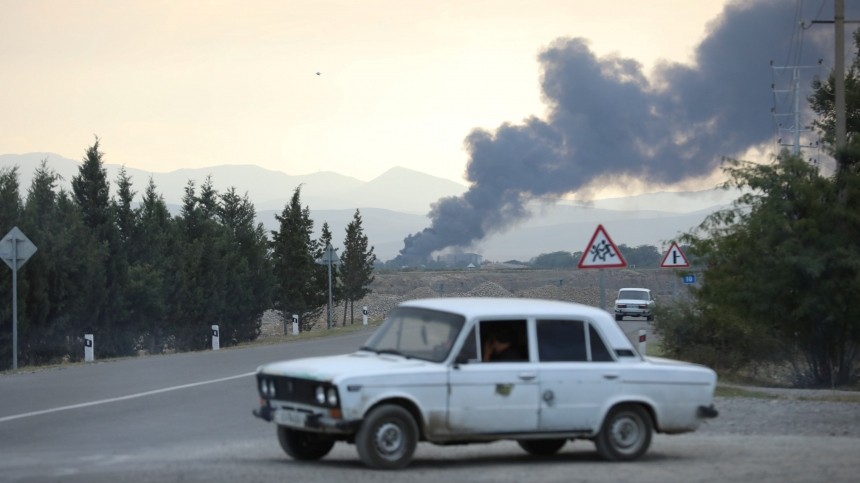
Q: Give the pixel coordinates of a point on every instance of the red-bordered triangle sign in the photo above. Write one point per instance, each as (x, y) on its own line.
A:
(601, 252)
(674, 258)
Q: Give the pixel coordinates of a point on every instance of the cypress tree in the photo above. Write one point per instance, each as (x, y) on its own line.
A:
(299, 281)
(357, 264)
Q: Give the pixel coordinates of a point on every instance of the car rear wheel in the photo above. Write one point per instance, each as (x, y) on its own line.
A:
(626, 434)
(387, 438)
(303, 445)
(542, 447)
(619, 318)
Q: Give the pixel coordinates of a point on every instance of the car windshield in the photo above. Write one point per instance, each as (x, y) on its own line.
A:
(417, 333)
(633, 295)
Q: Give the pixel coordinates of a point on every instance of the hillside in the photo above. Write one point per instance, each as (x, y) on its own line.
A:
(395, 205)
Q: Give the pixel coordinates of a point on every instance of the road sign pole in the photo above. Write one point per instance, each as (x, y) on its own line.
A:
(674, 284)
(14, 303)
(603, 289)
(20, 250)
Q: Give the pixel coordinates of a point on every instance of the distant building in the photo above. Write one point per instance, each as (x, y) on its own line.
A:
(460, 259)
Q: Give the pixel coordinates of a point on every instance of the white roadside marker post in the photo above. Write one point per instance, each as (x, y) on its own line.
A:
(642, 341)
(295, 324)
(216, 338)
(364, 315)
(89, 350)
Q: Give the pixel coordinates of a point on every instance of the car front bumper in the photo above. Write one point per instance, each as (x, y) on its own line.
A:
(309, 421)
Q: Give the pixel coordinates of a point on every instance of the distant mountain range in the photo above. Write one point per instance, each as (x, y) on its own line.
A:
(395, 205)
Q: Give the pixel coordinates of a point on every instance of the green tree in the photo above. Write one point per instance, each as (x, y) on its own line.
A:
(153, 256)
(197, 298)
(560, 259)
(823, 102)
(58, 292)
(249, 284)
(785, 261)
(91, 192)
(357, 264)
(124, 212)
(643, 256)
(301, 286)
(10, 213)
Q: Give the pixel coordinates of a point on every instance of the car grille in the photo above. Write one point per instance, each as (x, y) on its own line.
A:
(287, 389)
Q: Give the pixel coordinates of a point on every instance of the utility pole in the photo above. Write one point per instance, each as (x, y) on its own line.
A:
(839, 75)
(839, 70)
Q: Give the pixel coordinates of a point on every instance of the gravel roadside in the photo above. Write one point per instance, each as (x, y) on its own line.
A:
(797, 412)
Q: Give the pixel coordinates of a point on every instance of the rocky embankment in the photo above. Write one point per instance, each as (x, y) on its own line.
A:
(581, 286)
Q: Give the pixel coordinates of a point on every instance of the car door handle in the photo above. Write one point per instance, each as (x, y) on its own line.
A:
(527, 376)
(610, 376)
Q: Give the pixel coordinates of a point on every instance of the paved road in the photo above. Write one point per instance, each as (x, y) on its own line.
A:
(187, 418)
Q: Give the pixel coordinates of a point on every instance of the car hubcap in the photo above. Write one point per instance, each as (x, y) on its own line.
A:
(626, 433)
(389, 440)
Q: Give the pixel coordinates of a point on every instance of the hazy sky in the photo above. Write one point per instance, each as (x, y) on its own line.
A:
(187, 84)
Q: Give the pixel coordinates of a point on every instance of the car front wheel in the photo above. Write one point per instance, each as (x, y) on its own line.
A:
(626, 434)
(387, 438)
(304, 445)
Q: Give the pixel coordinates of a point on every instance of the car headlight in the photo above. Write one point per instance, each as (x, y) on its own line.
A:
(267, 388)
(326, 396)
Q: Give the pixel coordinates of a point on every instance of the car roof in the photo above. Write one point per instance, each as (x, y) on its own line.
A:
(636, 289)
(514, 307)
(504, 307)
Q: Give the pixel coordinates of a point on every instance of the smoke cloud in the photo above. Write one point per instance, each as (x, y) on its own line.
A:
(606, 118)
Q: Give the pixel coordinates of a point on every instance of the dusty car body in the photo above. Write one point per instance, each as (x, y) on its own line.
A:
(568, 372)
(634, 302)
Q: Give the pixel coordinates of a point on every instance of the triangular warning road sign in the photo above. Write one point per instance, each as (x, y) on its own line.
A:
(674, 258)
(601, 252)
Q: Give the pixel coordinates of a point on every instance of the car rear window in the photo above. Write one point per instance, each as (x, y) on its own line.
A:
(633, 295)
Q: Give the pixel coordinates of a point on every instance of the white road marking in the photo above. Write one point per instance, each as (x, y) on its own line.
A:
(121, 398)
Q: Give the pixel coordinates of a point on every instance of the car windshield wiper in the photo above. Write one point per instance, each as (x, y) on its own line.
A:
(394, 352)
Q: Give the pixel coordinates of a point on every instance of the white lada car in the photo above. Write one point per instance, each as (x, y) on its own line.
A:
(473, 370)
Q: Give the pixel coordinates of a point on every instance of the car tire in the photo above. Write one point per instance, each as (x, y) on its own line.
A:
(619, 318)
(649, 318)
(304, 445)
(542, 447)
(387, 438)
(625, 434)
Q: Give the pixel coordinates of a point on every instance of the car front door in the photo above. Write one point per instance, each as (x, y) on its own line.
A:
(493, 397)
(577, 375)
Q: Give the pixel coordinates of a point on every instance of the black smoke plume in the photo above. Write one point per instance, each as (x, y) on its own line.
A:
(605, 118)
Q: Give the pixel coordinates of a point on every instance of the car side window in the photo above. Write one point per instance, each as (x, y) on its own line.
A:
(561, 340)
(504, 341)
(565, 341)
(599, 352)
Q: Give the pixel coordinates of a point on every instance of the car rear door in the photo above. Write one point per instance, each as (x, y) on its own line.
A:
(577, 375)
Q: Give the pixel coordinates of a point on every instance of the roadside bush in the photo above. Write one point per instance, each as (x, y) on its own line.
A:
(705, 337)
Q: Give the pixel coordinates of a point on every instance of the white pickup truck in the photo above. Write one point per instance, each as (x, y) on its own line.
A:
(473, 370)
